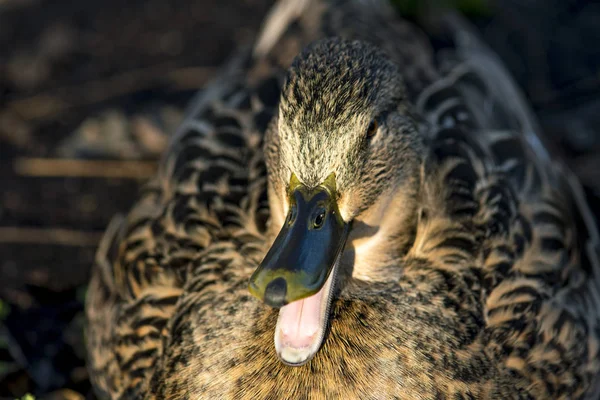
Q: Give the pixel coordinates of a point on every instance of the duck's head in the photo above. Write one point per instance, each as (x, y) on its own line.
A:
(342, 143)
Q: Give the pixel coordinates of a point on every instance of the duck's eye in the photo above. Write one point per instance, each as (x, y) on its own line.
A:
(318, 218)
(372, 129)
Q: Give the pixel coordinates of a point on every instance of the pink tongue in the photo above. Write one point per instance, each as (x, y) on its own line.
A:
(300, 321)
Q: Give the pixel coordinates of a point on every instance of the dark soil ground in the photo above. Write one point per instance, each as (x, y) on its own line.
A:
(90, 90)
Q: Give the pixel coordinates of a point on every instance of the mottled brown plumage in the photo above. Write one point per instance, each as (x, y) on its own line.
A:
(472, 267)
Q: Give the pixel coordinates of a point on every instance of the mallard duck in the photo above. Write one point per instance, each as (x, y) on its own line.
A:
(349, 212)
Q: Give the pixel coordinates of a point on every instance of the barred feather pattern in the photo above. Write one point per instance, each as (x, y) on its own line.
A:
(499, 294)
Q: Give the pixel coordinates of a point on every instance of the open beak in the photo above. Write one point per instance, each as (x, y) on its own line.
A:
(298, 273)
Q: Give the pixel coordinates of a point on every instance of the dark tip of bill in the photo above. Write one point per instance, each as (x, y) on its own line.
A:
(275, 293)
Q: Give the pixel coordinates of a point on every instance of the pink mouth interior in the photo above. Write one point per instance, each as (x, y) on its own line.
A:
(300, 321)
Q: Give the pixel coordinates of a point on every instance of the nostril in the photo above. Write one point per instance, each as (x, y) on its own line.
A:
(319, 218)
(292, 214)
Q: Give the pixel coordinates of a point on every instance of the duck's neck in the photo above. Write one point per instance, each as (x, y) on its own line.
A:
(382, 234)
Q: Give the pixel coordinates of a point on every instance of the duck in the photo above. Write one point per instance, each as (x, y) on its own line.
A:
(352, 211)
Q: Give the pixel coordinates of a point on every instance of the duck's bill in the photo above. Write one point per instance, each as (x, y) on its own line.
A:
(298, 273)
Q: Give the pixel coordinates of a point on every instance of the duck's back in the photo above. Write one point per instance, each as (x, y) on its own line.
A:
(531, 235)
(500, 292)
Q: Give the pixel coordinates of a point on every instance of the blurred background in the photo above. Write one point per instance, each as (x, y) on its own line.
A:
(90, 90)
